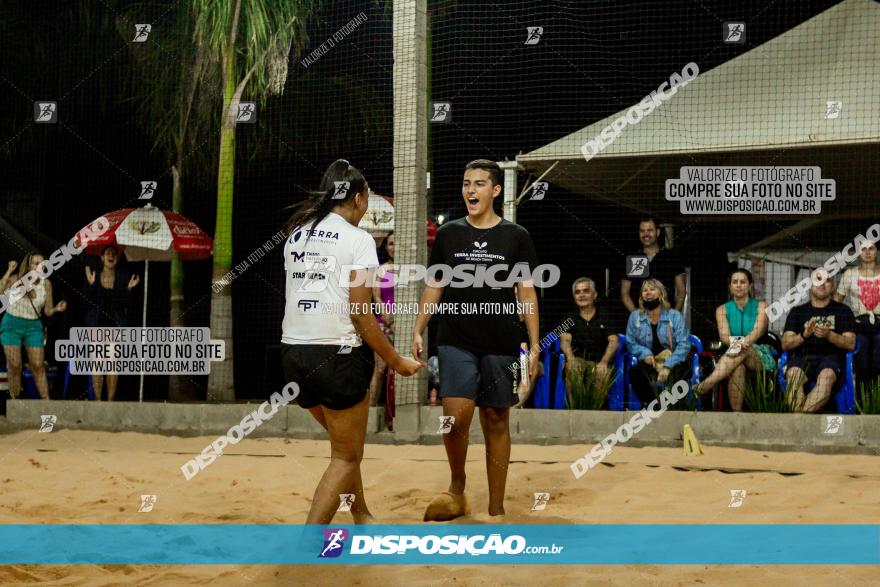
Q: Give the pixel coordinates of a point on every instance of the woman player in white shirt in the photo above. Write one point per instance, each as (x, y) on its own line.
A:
(327, 320)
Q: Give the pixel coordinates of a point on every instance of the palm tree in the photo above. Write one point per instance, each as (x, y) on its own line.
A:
(174, 109)
(252, 40)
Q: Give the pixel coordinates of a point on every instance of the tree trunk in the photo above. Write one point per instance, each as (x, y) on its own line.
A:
(178, 388)
(220, 381)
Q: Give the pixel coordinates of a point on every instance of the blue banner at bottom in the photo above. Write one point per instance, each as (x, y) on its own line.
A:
(635, 544)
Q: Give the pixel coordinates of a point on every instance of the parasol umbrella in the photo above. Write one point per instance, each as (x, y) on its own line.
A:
(379, 219)
(151, 234)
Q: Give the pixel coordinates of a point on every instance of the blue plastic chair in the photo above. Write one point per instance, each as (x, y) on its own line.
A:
(845, 396)
(91, 392)
(633, 402)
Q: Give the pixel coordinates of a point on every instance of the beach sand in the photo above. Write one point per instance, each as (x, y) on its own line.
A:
(86, 477)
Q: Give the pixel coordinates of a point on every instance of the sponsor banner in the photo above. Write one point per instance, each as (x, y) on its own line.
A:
(277, 544)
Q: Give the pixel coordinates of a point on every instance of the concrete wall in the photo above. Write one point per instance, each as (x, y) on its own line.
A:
(800, 432)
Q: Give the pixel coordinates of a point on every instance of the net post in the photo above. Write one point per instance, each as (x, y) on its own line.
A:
(410, 169)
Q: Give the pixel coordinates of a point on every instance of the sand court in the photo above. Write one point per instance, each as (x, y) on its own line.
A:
(85, 477)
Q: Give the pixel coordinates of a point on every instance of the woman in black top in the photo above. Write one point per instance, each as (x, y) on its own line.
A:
(108, 295)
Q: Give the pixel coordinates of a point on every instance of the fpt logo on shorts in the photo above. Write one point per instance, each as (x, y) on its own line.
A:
(334, 542)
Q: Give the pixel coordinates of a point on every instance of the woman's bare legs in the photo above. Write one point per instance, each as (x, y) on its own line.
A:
(347, 429)
(36, 359)
(13, 369)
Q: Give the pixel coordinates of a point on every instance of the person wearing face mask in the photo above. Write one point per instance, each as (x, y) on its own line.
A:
(741, 322)
(657, 337)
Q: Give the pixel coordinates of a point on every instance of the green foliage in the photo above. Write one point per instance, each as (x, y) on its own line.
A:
(868, 398)
(588, 391)
(762, 394)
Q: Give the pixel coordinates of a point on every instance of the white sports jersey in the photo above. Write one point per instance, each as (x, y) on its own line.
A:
(316, 291)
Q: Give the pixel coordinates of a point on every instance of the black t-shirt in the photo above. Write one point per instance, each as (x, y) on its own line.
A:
(589, 338)
(664, 266)
(472, 324)
(838, 316)
(656, 345)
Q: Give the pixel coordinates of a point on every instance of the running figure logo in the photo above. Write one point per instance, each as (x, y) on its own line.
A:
(533, 35)
(833, 424)
(247, 112)
(734, 32)
(334, 541)
(832, 109)
(446, 423)
(442, 112)
(46, 112)
(48, 423)
(148, 189)
(637, 266)
(141, 32)
(341, 190)
(539, 190)
(737, 497)
(147, 503)
(346, 500)
(541, 500)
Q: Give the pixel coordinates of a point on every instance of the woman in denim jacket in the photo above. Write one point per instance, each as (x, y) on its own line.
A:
(657, 337)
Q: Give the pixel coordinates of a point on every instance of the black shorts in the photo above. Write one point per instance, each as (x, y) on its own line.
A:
(812, 365)
(486, 379)
(327, 377)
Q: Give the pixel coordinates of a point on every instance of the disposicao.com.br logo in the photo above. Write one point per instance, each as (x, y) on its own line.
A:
(430, 544)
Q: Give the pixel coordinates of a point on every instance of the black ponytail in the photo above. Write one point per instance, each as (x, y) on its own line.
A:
(322, 201)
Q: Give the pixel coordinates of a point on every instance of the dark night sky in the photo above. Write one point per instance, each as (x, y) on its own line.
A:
(594, 59)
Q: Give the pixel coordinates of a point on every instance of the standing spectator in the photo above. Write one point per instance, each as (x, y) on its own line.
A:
(108, 295)
(818, 334)
(741, 322)
(663, 265)
(23, 327)
(658, 338)
(860, 287)
(590, 344)
(383, 296)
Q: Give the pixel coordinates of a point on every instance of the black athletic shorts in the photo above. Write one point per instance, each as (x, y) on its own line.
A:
(812, 365)
(486, 379)
(327, 377)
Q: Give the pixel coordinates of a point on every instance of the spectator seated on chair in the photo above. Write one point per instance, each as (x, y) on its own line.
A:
(658, 339)
(742, 321)
(590, 344)
(818, 334)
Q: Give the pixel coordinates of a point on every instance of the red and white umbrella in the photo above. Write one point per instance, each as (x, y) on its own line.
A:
(149, 234)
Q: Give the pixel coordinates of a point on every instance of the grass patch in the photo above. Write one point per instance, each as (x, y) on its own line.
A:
(588, 391)
(868, 397)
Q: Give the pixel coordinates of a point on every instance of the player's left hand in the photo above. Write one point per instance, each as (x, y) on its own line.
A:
(821, 332)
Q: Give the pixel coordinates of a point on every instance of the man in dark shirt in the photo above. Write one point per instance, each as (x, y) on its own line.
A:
(592, 341)
(817, 336)
(663, 265)
(480, 332)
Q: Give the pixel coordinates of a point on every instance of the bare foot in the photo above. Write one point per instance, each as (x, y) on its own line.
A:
(447, 506)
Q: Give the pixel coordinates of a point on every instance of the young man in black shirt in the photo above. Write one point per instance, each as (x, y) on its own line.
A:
(817, 336)
(479, 337)
(663, 265)
(592, 341)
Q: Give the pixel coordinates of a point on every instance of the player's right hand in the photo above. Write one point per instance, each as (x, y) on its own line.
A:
(12, 266)
(407, 366)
